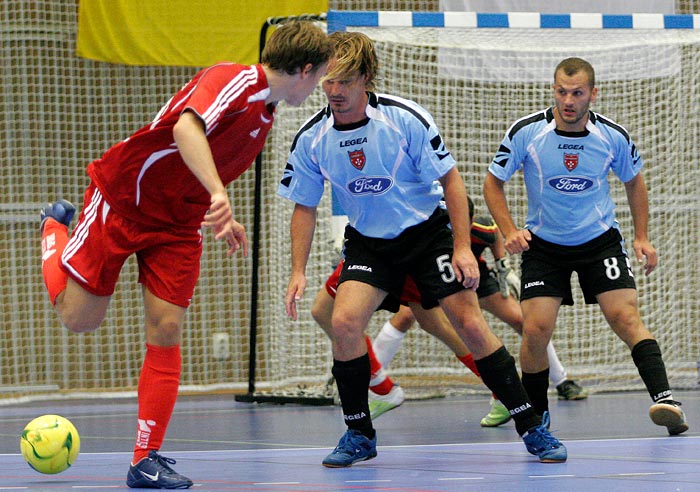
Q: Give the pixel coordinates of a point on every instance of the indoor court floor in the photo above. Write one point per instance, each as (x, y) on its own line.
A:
(424, 445)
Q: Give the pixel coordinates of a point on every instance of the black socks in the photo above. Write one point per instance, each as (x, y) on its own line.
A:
(500, 375)
(647, 357)
(352, 378)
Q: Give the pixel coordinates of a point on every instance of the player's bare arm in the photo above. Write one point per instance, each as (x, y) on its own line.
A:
(639, 207)
(498, 247)
(193, 145)
(463, 261)
(302, 228)
(219, 217)
(191, 140)
(515, 240)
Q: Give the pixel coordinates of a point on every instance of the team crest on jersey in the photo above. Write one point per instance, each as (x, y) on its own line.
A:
(571, 161)
(357, 158)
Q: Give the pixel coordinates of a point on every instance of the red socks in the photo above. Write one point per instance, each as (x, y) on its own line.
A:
(54, 238)
(157, 392)
(468, 360)
(380, 382)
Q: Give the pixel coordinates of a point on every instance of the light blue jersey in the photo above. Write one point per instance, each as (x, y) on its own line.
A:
(382, 170)
(566, 174)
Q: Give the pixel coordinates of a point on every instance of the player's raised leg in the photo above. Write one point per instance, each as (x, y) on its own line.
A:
(79, 309)
(54, 221)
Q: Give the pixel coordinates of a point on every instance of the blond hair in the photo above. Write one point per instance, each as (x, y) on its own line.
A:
(354, 53)
(294, 45)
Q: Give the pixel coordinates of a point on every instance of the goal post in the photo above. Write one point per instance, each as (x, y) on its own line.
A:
(298, 394)
(478, 73)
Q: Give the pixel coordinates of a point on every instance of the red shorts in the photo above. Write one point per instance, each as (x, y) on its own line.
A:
(168, 259)
(409, 294)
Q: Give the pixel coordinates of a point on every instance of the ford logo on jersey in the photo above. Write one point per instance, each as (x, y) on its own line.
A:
(570, 184)
(375, 185)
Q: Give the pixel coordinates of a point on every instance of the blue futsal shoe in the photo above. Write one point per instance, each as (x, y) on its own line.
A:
(62, 211)
(154, 472)
(540, 442)
(352, 447)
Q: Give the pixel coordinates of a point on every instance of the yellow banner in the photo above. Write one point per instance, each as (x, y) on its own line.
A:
(180, 32)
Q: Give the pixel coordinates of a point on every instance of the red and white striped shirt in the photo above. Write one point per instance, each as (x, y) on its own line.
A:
(144, 177)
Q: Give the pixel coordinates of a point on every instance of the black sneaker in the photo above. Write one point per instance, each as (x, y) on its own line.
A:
(668, 413)
(569, 390)
(61, 211)
(154, 472)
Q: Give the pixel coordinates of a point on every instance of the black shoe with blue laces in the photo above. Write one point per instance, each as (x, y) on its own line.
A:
(154, 472)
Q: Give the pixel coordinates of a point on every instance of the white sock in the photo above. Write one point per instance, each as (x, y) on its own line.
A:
(377, 378)
(557, 373)
(387, 343)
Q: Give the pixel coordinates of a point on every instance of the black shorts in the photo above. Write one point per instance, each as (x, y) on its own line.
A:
(488, 284)
(602, 265)
(423, 251)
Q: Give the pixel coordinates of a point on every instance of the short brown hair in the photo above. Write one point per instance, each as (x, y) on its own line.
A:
(574, 65)
(295, 44)
(354, 52)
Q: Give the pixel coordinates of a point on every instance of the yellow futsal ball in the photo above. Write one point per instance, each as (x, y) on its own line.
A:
(50, 444)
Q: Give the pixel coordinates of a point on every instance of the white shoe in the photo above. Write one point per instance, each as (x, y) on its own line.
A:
(668, 413)
(380, 404)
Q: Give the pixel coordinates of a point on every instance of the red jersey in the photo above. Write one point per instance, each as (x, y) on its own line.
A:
(144, 177)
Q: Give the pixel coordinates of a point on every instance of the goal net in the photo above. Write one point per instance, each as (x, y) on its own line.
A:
(476, 82)
(60, 112)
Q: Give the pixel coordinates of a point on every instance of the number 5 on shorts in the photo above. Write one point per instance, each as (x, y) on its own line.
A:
(445, 267)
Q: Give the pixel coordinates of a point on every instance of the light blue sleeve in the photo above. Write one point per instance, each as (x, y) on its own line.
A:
(427, 148)
(302, 181)
(628, 163)
(508, 159)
